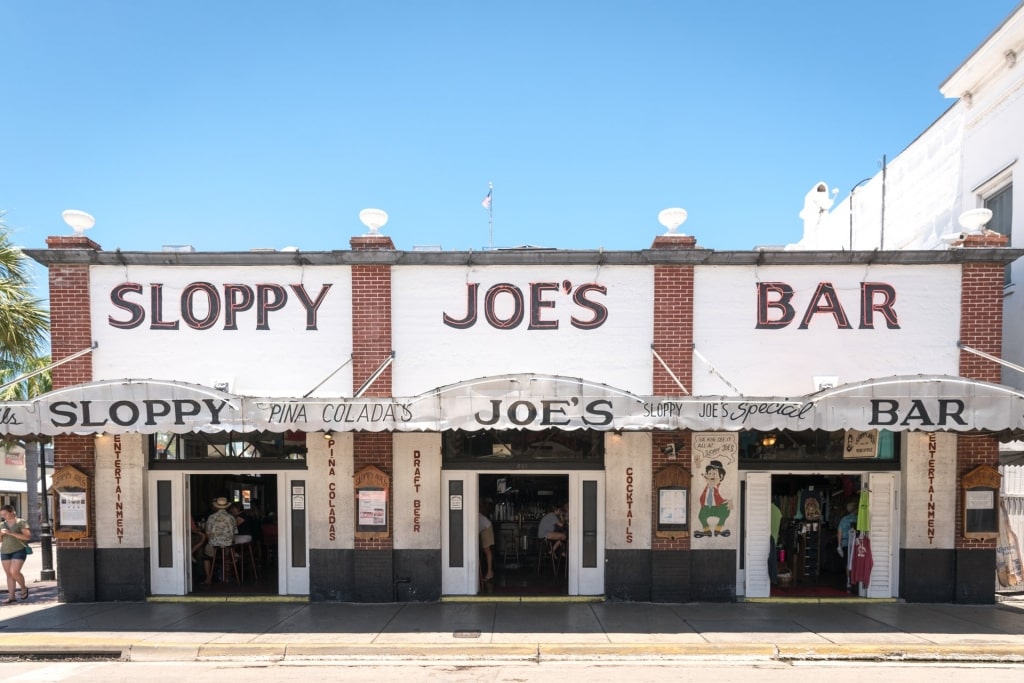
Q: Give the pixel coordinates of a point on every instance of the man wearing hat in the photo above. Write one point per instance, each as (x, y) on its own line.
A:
(220, 529)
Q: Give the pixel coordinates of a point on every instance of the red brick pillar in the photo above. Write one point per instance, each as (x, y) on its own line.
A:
(70, 332)
(673, 341)
(371, 346)
(981, 328)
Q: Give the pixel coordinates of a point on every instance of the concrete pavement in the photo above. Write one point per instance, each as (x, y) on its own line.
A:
(211, 628)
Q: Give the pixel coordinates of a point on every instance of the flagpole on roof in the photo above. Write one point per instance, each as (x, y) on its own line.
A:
(490, 214)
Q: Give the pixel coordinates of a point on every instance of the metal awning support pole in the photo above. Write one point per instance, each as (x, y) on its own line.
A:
(306, 395)
(40, 371)
(986, 356)
(46, 532)
(376, 373)
(669, 370)
(715, 370)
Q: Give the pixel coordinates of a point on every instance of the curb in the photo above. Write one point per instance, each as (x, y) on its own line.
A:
(908, 652)
(136, 651)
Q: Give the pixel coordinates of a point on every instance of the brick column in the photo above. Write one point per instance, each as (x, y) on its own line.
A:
(70, 332)
(673, 340)
(981, 328)
(371, 346)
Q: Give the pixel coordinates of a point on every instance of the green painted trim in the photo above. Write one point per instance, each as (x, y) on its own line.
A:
(819, 601)
(229, 598)
(524, 598)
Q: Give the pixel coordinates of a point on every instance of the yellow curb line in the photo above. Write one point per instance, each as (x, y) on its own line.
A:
(898, 651)
(554, 599)
(663, 650)
(852, 600)
(219, 599)
(413, 650)
(44, 644)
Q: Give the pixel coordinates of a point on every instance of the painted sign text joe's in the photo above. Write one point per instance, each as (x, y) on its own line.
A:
(541, 302)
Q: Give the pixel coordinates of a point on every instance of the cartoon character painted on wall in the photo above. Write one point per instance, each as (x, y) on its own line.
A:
(712, 504)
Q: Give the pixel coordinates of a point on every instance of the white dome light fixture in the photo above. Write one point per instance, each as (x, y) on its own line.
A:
(672, 219)
(79, 221)
(974, 221)
(374, 219)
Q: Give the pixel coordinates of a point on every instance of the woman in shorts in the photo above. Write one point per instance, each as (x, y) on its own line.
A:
(16, 535)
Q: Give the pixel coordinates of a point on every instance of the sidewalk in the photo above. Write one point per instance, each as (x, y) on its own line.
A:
(520, 631)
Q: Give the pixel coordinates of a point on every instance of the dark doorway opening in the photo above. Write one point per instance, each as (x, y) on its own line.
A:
(808, 561)
(523, 564)
(249, 566)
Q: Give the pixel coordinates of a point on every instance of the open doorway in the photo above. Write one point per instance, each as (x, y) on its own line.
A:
(249, 566)
(522, 563)
(809, 509)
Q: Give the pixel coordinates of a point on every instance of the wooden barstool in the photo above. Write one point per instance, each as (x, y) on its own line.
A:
(243, 546)
(547, 548)
(224, 554)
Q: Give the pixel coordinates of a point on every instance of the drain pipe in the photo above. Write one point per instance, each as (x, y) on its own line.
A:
(398, 580)
(881, 237)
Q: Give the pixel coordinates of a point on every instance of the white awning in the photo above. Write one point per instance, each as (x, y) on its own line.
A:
(523, 401)
(19, 486)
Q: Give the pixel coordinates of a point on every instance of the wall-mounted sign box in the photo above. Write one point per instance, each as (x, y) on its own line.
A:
(980, 502)
(371, 488)
(72, 507)
(673, 486)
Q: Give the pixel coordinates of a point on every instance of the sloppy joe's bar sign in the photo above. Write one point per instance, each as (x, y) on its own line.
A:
(931, 403)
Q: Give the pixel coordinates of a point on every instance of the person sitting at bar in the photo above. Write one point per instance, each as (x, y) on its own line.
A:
(220, 530)
(552, 528)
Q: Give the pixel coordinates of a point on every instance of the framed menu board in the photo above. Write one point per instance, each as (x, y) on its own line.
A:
(72, 507)
(980, 502)
(372, 487)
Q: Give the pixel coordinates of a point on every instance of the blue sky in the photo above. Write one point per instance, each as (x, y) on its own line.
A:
(239, 125)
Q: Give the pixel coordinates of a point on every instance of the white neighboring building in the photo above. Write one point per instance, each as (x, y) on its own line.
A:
(965, 160)
(12, 477)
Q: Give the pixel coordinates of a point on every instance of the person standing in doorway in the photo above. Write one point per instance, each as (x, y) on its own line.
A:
(846, 524)
(13, 551)
(486, 543)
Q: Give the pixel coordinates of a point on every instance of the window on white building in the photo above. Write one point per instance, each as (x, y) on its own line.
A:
(1001, 204)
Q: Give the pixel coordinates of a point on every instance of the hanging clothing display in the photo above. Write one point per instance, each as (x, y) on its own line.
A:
(860, 570)
(864, 511)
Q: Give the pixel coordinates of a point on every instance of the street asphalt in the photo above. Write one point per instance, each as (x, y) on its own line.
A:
(211, 628)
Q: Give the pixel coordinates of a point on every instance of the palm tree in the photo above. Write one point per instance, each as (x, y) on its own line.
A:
(24, 324)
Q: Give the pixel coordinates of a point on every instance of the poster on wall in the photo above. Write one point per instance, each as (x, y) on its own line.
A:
(714, 460)
(72, 508)
(672, 506)
(373, 508)
(860, 445)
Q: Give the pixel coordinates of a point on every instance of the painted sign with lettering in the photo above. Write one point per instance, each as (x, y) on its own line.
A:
(454, 323)
(930, 465)
(770, 330)
(534, 402)
(213, 325)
